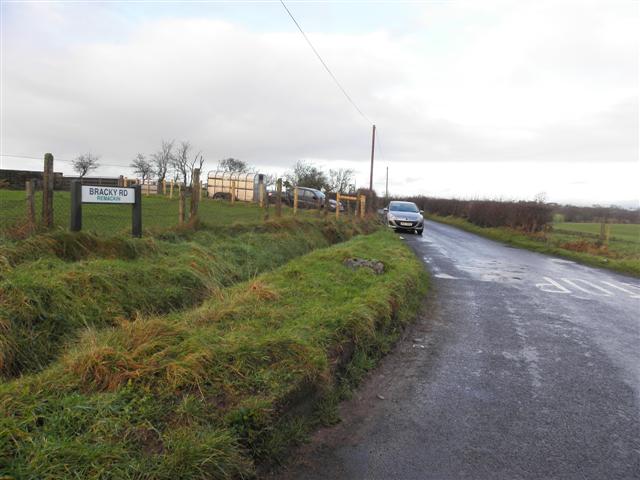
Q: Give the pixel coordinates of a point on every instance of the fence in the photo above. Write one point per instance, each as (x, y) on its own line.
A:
(37, 207)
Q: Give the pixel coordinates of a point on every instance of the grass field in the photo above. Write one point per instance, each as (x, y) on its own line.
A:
(157, 213)
(212, 391)
(574, 241)
(629, 232)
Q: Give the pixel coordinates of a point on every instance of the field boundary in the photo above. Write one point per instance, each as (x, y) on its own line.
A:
(520, 240)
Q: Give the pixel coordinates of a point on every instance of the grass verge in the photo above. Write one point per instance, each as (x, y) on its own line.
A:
(52, 286)
(625, 260)
(215, 391)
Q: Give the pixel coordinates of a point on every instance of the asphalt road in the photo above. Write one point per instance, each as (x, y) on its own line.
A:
(521, 366)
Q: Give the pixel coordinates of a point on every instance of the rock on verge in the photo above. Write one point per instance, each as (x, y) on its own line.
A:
(376, 266)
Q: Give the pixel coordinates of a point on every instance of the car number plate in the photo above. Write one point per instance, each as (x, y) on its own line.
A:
(405, 224)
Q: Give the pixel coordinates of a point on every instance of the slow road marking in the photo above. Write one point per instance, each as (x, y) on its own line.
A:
(571, 285)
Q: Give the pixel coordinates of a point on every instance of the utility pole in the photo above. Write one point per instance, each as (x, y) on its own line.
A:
(386, 186)
(373, 146)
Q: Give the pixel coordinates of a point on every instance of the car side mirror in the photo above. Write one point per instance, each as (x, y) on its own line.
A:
(385, 210)
(421, 212)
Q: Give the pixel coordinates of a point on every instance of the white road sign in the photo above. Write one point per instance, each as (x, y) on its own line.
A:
(95, 194)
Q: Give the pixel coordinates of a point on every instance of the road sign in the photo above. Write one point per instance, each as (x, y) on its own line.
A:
(97, 194)
(104, 195)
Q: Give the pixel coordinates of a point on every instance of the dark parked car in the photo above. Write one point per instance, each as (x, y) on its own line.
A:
(310, 198)
(404, 216)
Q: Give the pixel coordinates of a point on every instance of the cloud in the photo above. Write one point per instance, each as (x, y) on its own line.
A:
(505, 82)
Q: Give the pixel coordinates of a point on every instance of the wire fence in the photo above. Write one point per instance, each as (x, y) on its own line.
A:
(159, 212)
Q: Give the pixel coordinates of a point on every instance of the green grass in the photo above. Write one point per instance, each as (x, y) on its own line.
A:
(214, 391)
(620, 255)
(629, 232)
(53, 286)
(158, 213)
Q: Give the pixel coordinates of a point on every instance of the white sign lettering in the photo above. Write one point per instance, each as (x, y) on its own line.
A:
(95, 194)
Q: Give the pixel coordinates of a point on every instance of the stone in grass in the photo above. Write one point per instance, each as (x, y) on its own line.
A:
(376, 266)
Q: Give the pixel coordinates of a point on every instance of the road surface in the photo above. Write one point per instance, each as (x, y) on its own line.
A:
(521, 366)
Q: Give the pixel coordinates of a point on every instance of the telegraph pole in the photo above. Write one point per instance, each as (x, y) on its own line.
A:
(386, 185)
(373, 146)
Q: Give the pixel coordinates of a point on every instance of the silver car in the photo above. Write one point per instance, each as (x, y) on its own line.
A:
(404, 216)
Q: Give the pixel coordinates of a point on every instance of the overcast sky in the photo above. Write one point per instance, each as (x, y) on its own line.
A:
(499, 99)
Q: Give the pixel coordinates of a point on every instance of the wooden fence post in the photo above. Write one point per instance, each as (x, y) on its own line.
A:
(279, 198)
(31, 206)
(338, 205)
(195, 194)
(47, 191)
(181, 205)
(327, 205)
(265, 201)
(603, 238)
(233, 192)
(261, 191)
(363, 204)
(171, 190)
(295, 201)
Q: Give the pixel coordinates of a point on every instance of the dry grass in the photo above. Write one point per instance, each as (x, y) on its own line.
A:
(211, 392)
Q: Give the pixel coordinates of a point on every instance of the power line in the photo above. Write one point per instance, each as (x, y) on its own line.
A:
(61, 160)
(326, 67)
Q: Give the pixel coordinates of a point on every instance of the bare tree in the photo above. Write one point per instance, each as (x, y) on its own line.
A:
(183, 165)
(142, 167)
(84, 163)
(180, 161)
(270, 179)
(234, 165)
(340, 180)
(306, 174)
(198, 161)
(162, 159)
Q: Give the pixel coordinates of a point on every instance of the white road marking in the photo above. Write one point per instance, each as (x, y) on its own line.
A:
(585, 286)
(622, 289)
(559, 288)
(446, 276)
(605, 293)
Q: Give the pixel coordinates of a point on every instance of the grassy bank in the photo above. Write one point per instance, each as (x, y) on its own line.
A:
(52, 286)
(214, 391)
(620, 255)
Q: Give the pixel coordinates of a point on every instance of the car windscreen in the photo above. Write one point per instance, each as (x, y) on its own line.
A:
(403, 207)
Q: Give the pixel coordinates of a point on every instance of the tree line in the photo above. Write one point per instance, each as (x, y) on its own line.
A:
(177, 160)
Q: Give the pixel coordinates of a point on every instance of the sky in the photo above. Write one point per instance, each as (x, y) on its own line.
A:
(492, 99)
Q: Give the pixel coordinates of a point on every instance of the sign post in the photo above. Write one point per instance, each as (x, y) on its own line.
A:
(136, 212)
(76, 206)
(105, 195)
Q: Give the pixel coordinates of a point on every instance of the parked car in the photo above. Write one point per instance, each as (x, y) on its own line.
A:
(404, 216)
(311, 198)
(307, 197)
(333, 203)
